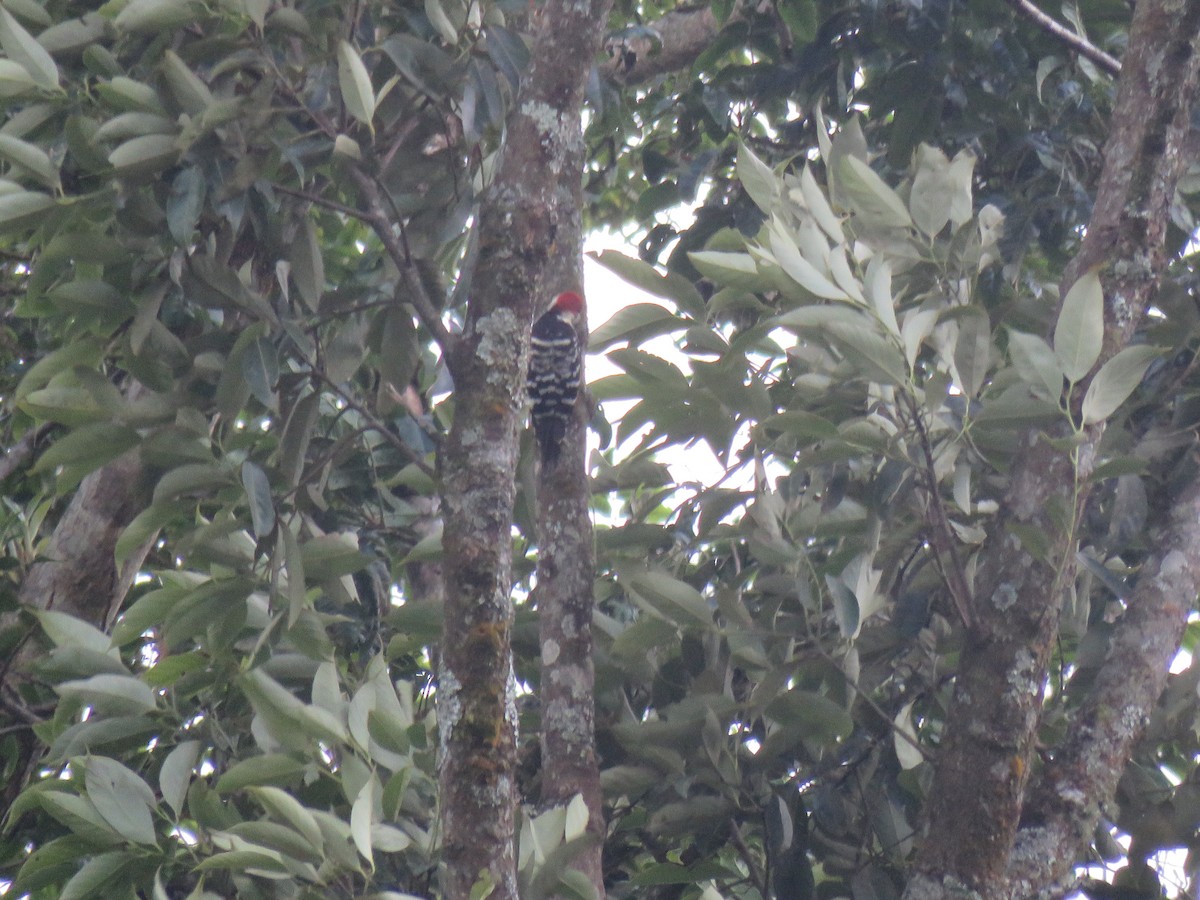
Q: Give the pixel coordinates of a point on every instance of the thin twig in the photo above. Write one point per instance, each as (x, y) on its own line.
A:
(318, 200)
(1076, 42)
(941, 534)
(376, 423)
(376, 216)
(870, 701)
(757, 878)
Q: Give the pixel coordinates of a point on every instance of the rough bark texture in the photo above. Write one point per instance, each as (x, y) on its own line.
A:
(1082, 776)
(981, 777)
(477, 713)
(79, 575)
(566, 564)
(668, 44)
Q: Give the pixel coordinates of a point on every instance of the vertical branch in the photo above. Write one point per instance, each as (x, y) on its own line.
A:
(565, 574)
(518, 229)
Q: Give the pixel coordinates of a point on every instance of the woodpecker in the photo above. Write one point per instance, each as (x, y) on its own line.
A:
(554, 369)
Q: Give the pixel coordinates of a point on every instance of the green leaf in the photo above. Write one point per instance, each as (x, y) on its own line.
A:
(759, 179)
(184, 204)
(287, 808)
(1079, 333)
(293, 562)
(1035, 362)
(869, 196)
(257, 771)
(68, 631)
(262, 504)
(260, 367)
(157, 16)
(941, 189)
(1115, 381)
(308, 265)
(332, 556)
(634, 323)
(98, 876)
(31, 158)
(21, 47)
(972, 352)
(818, 717)
(875, 356)
(88, 447)
(80, 815)
(731, 269)
(801, 18)
(145, 155)
(175, 776)
(111, 695)
(122, 798)
(355, 84)
(670, 286)
(670, 596)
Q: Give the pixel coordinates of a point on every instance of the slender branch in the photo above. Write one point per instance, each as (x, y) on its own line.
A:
(376, 216)
(942, 535)
(757, 878)
(1076, 42)
(20, 452)
(318, 200)
(870, 701)
(378, 425)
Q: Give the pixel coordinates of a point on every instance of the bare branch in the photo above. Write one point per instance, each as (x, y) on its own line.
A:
(377, 425)
(377, 217)
(1076, 42)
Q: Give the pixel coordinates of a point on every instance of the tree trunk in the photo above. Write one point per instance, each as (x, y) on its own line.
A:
(979, 789)
(477, 714)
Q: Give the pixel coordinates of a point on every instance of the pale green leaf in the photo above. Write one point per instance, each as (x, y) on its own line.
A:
(1079, 333)
(908, 756)
(175, 776)
(869, 196)
(1035, 362)
(362, 816)
(21, 47)
(31, 158)
(287, 808)
(1115, 381)
(758, 179)
(257, 771)
(355, 84)
(157, 15)
(122, 798)
(262, 504)
(441, 22)
(799, 269)
(818, 206)
(68, 631)
(114, 695)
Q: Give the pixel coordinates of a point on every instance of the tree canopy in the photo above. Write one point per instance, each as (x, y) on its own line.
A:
(270, 269)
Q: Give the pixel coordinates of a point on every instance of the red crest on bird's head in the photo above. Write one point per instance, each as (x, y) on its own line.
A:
(569, 302)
